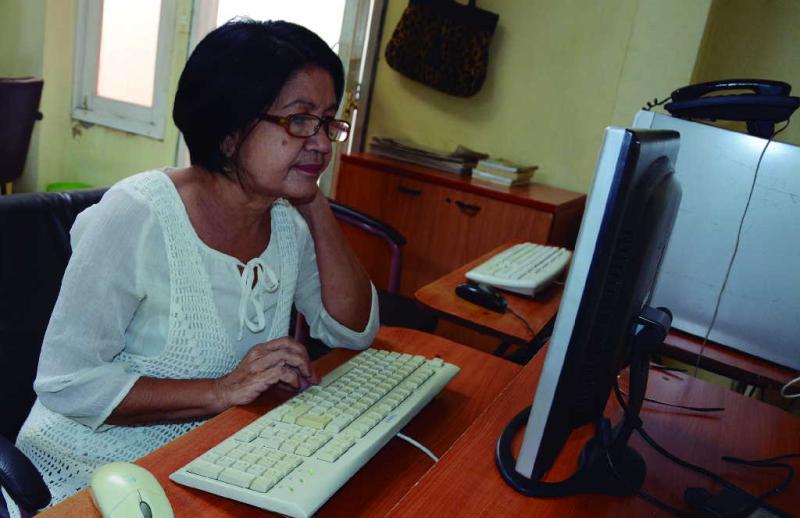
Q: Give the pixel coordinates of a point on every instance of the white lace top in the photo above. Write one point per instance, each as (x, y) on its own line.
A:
(143, 295)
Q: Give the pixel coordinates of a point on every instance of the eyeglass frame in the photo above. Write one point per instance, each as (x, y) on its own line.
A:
(285, 122)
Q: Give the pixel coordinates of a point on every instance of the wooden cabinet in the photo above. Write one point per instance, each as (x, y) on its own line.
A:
(447, 219)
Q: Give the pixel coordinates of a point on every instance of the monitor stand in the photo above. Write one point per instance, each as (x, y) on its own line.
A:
(607, 465)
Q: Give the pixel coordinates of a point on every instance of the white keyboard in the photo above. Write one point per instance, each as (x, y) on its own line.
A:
(526, 268)
(292, 459)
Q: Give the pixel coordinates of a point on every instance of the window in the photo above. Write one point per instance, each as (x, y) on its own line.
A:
(122, 64)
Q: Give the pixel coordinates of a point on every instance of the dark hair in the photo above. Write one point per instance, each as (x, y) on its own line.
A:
(237, 70)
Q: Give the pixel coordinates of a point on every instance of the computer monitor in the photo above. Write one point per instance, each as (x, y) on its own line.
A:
(604, 323)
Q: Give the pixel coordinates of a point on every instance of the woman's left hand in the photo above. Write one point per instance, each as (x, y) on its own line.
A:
(346, 289)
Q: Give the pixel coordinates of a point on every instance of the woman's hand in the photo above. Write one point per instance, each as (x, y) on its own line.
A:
(281, 362)
(345, 286)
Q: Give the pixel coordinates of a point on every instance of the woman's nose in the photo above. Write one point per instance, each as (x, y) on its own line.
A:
(319, 142)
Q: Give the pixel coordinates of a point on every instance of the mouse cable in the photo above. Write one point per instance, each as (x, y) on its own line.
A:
(416, 444)
(664, 452)
(735, 249)
(522, 319)
(758, 462)
(675, 405)
(643, 494)
(770, 462)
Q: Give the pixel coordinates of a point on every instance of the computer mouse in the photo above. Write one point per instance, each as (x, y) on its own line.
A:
(125, 490)
(482, 295)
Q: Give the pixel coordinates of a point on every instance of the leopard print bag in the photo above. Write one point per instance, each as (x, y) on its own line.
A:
(443, 44)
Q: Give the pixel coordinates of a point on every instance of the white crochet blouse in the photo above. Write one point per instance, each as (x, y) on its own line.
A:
(144, 296)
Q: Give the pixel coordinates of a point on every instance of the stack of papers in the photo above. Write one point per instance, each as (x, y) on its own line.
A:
(460, 161)
(503, 172)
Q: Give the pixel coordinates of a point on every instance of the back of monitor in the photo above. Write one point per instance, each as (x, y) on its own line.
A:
(759, 311)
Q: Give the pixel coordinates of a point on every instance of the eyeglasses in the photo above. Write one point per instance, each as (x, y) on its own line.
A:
(305, 125)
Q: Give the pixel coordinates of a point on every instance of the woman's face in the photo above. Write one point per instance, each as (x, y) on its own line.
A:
(275, 164)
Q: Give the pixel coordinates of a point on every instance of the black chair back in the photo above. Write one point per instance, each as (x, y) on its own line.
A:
(34, 251)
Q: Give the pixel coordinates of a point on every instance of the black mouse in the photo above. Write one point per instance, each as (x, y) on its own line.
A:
(482, 295)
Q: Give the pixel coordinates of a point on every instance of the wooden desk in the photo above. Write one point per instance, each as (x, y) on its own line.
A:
(466, 477)
(383, 480)
(726, 361)
(440, 296)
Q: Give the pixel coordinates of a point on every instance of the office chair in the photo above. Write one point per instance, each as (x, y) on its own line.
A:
(19, 109)
(395, 310)
(23, 482)
(34, 250)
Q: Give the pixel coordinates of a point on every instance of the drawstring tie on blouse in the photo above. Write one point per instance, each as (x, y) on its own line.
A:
(252, 295)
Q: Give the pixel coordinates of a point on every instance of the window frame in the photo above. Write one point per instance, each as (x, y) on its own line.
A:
(89, 107)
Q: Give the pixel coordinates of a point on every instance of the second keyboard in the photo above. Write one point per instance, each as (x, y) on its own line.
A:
(525, 268)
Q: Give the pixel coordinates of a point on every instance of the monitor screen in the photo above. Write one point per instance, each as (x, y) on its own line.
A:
(625, 229)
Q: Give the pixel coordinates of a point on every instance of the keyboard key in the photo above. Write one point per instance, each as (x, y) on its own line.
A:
(211, 456)
(263, 484)
(225, 461)
(245, 436)
(256, 469)
(236, 477)
(266, 462)
(304, 450)
(240, 465)
(314, 421)
(329, 456)
(283, 467)
(204, 469)
(295, 412)
(251, 458)
(289, 446)
(273, 442)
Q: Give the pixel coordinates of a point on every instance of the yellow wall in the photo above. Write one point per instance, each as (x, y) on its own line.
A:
(67, 150)
(21, 44)
(753, 39)
(559, 72)
(21, 26)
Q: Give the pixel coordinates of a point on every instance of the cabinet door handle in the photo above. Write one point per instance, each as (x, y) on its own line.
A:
(468, 207)
(409, 190)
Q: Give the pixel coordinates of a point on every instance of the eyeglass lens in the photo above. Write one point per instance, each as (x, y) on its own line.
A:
(306, 125)
(338, 130)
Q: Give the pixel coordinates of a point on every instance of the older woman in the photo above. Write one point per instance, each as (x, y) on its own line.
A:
(175, 304)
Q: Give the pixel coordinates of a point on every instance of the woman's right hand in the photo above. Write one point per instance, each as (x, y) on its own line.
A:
(282, 361)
